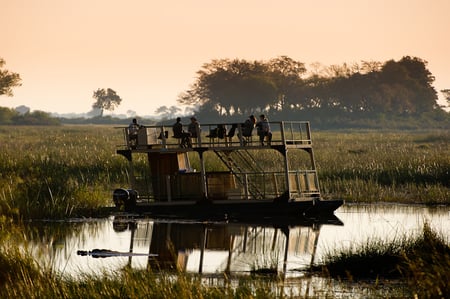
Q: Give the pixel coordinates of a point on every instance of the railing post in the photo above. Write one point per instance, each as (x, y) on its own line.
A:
(246, 186)
(169, 191)
(286, 160)
(163, 137)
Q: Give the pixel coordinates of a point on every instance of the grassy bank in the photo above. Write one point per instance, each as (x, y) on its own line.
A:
(423, 261)
(57, 171)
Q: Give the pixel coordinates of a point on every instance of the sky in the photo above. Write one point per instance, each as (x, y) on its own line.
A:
(150, 51)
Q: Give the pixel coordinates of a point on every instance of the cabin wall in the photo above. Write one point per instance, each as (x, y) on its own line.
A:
(163, 168)
(170, 181)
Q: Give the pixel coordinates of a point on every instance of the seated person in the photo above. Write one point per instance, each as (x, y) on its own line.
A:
(194, 127)
(178, 132)
(263, 129)
(247, 128)
(133, 129)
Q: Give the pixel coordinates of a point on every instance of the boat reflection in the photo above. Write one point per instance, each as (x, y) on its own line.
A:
(270, 247)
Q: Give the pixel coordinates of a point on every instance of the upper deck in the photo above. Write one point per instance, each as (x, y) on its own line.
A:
(160, 138)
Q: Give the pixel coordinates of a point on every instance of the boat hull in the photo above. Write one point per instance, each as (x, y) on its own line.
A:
(240, 209)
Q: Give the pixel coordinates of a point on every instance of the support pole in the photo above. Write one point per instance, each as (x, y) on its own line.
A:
(203, 174)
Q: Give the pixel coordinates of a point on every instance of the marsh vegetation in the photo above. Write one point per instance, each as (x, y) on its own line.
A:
(422, 260)
(58, 171)
(65, 171)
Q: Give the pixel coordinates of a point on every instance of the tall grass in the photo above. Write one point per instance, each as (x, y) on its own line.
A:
(385, 166)
(57, 171)
(423, 261)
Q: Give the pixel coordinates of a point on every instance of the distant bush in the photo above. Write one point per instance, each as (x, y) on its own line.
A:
(11, 117)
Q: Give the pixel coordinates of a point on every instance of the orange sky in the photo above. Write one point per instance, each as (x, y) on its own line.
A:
(149, 51)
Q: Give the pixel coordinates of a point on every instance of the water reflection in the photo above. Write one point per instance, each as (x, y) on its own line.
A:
(266, 247)
(214, 247)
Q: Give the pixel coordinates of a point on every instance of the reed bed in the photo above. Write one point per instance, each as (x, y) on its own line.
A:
(57, 171)
(422, 261)
(385, 166)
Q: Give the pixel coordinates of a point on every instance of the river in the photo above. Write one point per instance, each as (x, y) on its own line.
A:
(212, 248)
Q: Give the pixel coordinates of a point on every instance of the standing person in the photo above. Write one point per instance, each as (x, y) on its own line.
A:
(179, 133)
(133, 129)
(263, 130)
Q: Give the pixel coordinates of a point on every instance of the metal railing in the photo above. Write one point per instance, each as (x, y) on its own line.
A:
(158, 137)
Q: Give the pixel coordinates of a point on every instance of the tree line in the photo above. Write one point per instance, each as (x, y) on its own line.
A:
(284, 89)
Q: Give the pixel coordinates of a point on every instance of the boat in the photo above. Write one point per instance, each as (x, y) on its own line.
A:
(222, 173)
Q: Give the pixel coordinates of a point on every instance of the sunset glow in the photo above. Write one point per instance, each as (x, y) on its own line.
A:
(149, 51)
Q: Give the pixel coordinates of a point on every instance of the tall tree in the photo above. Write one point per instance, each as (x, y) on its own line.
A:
(8, 80)
(425, 96)
(287, 75)
(232, 86)
(106, 99)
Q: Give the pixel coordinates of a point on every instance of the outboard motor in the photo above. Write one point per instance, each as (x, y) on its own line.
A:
(125, 197)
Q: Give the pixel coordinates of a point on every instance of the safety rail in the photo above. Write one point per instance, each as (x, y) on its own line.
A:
(303, 184)
(161, 136)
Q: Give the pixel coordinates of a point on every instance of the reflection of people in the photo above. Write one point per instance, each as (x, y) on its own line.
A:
(178, 132)
(133, 129)
(263, 129)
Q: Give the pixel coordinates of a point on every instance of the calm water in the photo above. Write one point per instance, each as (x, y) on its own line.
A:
(213, 247)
